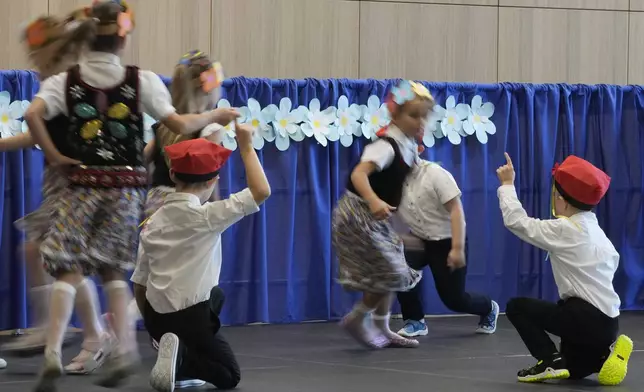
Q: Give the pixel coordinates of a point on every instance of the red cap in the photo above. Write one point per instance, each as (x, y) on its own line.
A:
(580, 183)
(196, 160)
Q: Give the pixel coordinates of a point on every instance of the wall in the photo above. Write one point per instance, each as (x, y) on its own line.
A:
(575, 41)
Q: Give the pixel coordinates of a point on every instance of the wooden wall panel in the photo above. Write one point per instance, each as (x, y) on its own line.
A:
(429, 42)
(552, 45)
(286, 38)
(165, 30)
(569, 4)
(452, 2)
(636, 48)
(12, 17)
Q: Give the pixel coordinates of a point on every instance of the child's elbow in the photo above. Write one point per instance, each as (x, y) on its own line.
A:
(261, 194)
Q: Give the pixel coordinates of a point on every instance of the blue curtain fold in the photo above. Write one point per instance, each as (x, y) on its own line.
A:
(279, 265)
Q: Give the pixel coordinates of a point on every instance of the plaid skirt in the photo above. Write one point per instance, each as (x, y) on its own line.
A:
(370, 252)
(94, 229)
(155, 198)
(37, 224)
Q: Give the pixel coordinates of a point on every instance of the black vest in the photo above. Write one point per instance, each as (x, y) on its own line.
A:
(388, 183)
(161, 174)
(57, 129)
(105, 126)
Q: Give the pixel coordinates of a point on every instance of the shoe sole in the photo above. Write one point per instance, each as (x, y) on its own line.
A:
(188, 384)
(615, 368)
(549, 374)
(404, 334)
(162, 377)
(482, 331)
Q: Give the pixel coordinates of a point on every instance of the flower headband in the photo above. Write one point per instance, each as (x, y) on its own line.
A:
(406, 91)
(213, 75)
(40, 32)
(124, 23)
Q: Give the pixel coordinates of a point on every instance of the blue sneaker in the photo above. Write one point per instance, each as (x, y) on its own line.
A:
(414, 328)
(487, 325)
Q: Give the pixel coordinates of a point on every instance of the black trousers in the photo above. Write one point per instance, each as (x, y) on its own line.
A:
(450, 285)
(203, 353)
(586, 333)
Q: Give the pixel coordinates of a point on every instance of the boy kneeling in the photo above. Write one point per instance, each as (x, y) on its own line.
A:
(584, 262)
(177, 252)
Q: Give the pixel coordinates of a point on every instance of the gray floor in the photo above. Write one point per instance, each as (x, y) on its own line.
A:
(320, 357)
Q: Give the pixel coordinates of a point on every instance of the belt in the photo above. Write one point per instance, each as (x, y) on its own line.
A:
(108, 177)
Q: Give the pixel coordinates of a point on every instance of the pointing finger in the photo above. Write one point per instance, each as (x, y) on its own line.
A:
(508, 159)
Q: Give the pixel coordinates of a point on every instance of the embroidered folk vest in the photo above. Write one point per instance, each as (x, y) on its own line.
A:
(105, 125)
(388, 183)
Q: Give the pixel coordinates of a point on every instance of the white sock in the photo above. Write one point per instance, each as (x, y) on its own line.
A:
(39, 298)
(87, 308)
(119, 297)
(360, 310)
(60, 312)
(382, 323)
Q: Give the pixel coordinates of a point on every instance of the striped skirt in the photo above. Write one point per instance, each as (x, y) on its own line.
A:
(370, 252)
(37, 224)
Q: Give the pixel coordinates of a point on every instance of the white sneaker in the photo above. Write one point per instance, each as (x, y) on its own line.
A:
(181, 384)
(164, 372)
(3, 364)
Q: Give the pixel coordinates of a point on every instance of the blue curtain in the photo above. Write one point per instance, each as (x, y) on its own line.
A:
(279, 264)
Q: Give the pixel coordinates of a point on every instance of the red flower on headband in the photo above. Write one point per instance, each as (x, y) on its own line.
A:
(36, 33)
(124, 22)
(209, 80)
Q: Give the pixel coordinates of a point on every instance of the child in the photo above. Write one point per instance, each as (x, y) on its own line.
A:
(432, 209)
(195, 87)
(53, 45)
(369, 251)
(96, 229)
(182, 299)
(584, 262)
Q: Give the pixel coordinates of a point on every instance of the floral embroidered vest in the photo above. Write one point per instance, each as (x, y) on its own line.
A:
(105, 126)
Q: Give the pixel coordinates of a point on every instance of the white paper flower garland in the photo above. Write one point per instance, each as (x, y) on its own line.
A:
(283, 124)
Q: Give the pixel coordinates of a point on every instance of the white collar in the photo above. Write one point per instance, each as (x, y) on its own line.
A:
(182, 197)
(102, 57)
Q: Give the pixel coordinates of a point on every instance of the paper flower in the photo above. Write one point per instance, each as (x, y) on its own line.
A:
(260, 120)
(316, 122)
(452, 122)
(478, 119)
(432, 129)
(375, 116)
(10, 115)
(124, 21)
(286, 125)
(229, 138)
(346, 121)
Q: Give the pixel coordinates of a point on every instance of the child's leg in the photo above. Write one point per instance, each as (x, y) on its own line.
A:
(355, 321)
(96, 343)
(450, 286)
(534, 319)
(381, 320)
(411, 304)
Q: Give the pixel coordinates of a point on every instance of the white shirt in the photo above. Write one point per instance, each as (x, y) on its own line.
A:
(382, 154)
(179, 257)
(102, 71)
(583, 259)
(427, 189)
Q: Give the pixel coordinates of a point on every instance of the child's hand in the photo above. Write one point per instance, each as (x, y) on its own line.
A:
(225, 116)
(380, 209)
(506, 172)
(244, 133)
(456, 259)
(61, 161)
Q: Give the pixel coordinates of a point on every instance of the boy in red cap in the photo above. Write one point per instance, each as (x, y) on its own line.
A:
(584, 262)
(177, 256)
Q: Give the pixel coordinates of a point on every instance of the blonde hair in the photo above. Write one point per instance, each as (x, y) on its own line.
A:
(188, 96)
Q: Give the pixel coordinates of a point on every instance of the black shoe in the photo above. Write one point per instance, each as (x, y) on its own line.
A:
(554, 369)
